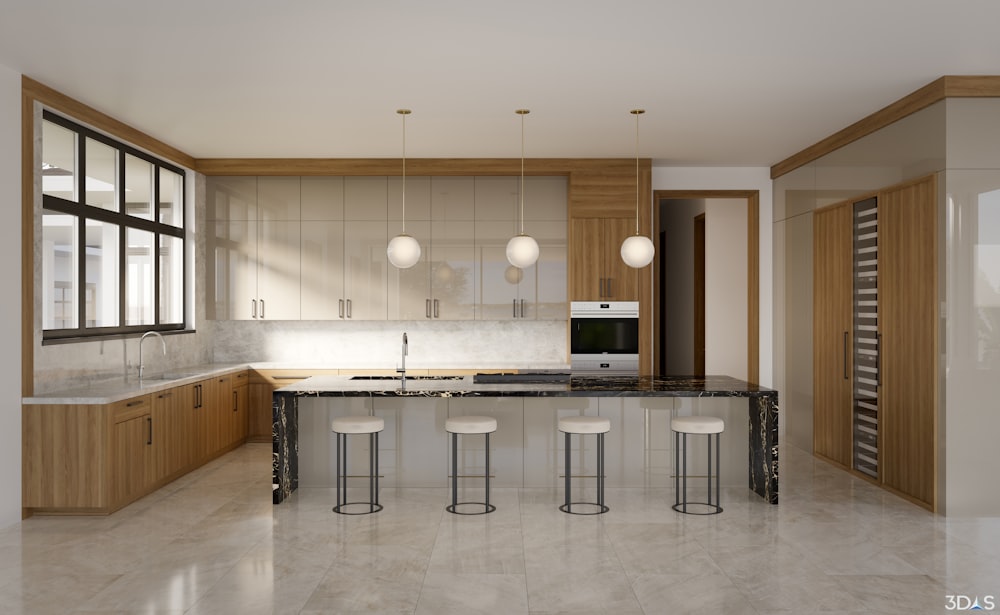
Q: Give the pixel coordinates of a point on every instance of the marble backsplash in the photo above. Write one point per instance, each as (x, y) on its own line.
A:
(377, 344)
(360, 345)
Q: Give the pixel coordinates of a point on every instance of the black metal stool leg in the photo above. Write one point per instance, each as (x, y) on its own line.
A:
(709, 470)
(684, 438)
(487, 471)
(567, 472)
(600, 470)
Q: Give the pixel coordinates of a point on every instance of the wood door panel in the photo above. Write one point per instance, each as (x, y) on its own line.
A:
(832, 264)
(622, 281)
(908, 322)
(586, 264)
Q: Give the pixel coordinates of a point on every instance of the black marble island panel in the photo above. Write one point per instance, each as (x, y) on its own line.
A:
(762, 407)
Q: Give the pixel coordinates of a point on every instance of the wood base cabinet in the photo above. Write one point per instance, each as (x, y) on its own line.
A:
(875, 337)
(97, 458)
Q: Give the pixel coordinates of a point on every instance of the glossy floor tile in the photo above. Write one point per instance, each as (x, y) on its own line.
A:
(211, 542)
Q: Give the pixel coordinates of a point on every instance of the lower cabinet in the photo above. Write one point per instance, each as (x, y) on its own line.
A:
(95, 459)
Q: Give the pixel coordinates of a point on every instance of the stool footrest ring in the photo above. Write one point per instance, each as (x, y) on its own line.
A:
(487, 508)
(567, 508)
(372, 508)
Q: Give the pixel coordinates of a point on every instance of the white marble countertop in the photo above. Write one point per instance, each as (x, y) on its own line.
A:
(112, 390)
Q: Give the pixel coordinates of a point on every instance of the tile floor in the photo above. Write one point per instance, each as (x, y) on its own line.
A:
(212, 542)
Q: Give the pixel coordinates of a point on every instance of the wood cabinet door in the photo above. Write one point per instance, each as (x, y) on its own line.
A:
(832, 288)
(259, 421)
(621, 281)
(908, 323)
(171, 450)
(239, 418)
(132, 458)
(219, 407)
(586, 259)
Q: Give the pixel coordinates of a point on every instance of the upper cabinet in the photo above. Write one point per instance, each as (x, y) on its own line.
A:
(598, 271)
(254, 248)
(505, 292)
(315, 248)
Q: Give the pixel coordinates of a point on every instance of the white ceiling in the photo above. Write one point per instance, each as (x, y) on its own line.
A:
(724, 82)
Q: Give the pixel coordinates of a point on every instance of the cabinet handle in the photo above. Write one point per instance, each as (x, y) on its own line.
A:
(341, 313)
(600, 287)
(133, 404)
(608, 294)
(149, 424)
(437, 309)
(253, 308)
(197, 396)
(349, 308)
(235, 403)
(845, 356)
(522, 308)
(164, 395)
(514, 301)
(427, 308)
(262, 308)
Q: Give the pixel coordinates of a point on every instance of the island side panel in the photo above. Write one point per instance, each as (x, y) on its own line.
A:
(763, 411)
(285, 446)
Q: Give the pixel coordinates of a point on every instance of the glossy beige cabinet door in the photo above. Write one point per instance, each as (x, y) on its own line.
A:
(503, 291)
(231, 198)
(279, 198)
(410, 289)
(232, 280)
(365, 270)
(452, 270)
(322, 288)
(278, 270)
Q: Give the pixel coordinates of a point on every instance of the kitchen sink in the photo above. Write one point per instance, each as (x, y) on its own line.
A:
(408, 377)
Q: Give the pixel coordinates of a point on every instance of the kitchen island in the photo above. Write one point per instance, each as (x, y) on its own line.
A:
(620, 396)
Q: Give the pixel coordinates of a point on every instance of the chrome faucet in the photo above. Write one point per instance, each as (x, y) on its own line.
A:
(402, 370)
(142, 339)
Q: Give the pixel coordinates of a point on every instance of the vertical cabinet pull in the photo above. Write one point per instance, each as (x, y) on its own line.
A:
(262, 308)
(522, 308)
(253, 308)
(845, 357)
(600, 287)
(608, 284)
(349, 308)
(437, 309)
(149, 425)
(235, 402)
(427, 308)
(341, 304)
(514, 301)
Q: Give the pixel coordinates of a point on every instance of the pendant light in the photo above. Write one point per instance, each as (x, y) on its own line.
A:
(403, 250)
(637, 250)
(522, 250)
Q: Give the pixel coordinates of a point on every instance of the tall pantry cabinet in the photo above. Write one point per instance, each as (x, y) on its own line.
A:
(875, 337)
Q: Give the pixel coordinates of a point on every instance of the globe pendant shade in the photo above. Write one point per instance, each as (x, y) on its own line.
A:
(403, 251)
(522, 251)
(637, 251)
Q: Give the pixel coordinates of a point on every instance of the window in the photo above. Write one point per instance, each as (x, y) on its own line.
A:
(112, 236)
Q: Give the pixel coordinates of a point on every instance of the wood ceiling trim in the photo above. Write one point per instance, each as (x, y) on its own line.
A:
(80, 112)
(954, 86)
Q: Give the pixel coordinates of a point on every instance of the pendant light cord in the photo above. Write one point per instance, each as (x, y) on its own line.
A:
(522, 171)
(636, 171)
(404, 173)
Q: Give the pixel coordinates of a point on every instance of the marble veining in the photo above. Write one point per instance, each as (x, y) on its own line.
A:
(762, 410)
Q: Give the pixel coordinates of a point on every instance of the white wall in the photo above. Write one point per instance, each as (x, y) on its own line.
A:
(10, 310)
(726, 287)
(737, 178)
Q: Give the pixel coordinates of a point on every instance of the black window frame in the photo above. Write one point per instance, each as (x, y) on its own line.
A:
(82, 211)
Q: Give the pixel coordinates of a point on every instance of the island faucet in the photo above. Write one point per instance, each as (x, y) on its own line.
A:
(402, 369)
(141, 340)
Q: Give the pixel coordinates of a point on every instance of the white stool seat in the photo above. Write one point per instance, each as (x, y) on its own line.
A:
(697, 424)
(584, 424)
(470, 424)
(357, 424)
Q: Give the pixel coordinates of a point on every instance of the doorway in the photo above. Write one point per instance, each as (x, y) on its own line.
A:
(684, 305)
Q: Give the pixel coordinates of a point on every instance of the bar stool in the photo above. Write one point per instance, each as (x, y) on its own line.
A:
(586, 425)
(469, 425)
(684, 425)
(342, 427)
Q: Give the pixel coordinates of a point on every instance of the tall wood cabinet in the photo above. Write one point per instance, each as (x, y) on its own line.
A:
(875, 337)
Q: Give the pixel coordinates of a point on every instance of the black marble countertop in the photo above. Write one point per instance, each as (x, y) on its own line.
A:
(582, 386)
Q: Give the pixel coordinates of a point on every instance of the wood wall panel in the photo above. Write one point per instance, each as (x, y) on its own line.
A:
(908, 324)
(832, 326)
